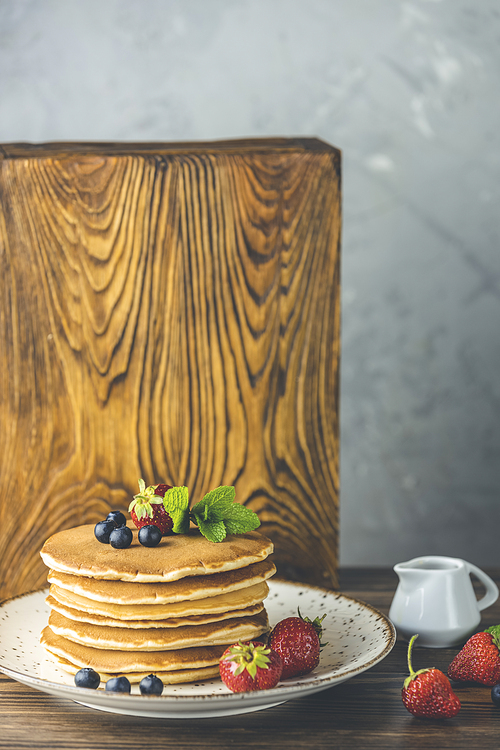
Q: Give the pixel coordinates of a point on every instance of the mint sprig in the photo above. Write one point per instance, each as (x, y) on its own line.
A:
(216, 515)
(214, 531)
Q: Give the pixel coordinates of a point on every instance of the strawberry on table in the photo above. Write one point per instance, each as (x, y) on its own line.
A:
(298, 641)
(479, 659)
(428, 693)
(147, 509)
(248, 666)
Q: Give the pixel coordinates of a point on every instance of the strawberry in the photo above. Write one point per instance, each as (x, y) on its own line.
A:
(161, 489)
(297, 641)
(428, 693)
(250, 666)
(479, 659)
(146, 509)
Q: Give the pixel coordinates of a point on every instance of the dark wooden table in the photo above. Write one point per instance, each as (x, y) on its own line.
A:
(365, 712)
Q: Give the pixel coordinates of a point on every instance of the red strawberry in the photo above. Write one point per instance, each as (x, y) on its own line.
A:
(297, 641)
(146, 509)
(161, 489)
(250, 666)
(427, 693)
(479, 660)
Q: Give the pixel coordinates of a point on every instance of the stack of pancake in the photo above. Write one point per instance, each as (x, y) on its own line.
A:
(171, 610)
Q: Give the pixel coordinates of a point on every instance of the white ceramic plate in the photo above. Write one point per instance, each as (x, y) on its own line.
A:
(358, 637)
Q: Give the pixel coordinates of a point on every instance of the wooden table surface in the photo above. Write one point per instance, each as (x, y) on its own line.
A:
(364, 712)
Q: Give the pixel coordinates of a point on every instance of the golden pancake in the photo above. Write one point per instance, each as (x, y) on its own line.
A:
(168, 678)
(159, 639)
(126, 662)
(185, 589)
(225, 603)
(77, 551)
(172, 622)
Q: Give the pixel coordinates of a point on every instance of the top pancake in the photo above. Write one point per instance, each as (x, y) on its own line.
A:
(78, 552)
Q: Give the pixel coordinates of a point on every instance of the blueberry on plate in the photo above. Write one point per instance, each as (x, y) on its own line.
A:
(150, 535)
(121, 538)
(117, 517)
(151, 685)
(102, 530)
(118, 685)
(87, 678)
(495, 694)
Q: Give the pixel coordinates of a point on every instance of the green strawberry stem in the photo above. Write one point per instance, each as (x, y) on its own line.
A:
(412, 674)
(144, 500)
(494, 631)
(249, 656)
(410, 649)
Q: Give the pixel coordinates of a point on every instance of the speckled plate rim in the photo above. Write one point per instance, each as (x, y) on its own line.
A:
(222, 704)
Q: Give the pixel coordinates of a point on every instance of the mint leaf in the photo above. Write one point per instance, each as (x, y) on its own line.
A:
(225, 493)
(218, 514)
(240, 519)
(214, 531)
(176, 503)
(216, 504)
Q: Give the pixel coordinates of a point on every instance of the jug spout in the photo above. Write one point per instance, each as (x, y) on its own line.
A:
(411, 577)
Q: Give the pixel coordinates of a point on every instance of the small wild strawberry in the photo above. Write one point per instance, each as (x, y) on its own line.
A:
(147, 509)
(428, 693)
(479, 659)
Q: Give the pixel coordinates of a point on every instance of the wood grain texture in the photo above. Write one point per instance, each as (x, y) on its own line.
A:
(169, 311)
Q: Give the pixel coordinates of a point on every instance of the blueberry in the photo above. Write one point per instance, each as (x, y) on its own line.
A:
(102, 531)
(87, 678)
(120, 538)
(117, 517)
(495, 694)
(150, 535)
(151, 685)
(118, 685)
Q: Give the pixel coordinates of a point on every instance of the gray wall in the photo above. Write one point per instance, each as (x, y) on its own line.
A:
(410, 91)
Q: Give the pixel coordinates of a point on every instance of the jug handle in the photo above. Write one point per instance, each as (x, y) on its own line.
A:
(491, 588)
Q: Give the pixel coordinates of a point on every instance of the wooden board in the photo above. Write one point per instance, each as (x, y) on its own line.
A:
(171, 312)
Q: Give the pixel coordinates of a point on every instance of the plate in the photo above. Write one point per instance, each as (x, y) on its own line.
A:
(358, 637)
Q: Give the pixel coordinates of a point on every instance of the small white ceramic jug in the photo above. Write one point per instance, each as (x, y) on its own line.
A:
(435, 599)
